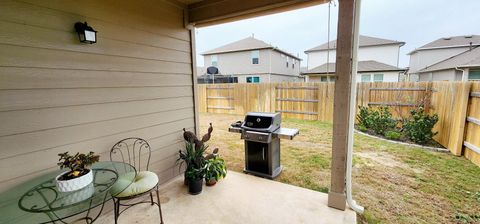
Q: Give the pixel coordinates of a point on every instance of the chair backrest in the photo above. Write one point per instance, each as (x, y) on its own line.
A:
(134, 151)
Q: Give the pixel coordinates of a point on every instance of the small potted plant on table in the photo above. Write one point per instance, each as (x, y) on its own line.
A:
(215, 170)
(78, 176)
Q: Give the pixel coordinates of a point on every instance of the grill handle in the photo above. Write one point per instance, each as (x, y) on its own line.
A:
(263, 153)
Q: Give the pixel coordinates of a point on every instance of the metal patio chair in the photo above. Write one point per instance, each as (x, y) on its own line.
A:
(131, 151)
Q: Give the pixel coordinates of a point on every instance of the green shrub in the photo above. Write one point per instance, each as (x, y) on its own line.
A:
(419, 127)
(393, 135)
(381, 120)
(363, 117)
(362, 128)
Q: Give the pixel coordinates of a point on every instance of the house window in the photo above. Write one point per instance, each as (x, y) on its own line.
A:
(214, 60)
(288, 59)
(366, 78)
(474, 75)
(333, 78)
(253, 79)
(378, 77)
(323, 79)
(255, 57)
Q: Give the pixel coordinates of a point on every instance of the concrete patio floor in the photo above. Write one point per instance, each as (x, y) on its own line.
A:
(239, 198)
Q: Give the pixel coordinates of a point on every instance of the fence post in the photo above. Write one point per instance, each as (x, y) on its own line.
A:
(462, 95)
(428, 97)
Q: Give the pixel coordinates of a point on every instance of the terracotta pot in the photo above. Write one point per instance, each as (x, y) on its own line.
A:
(210, 182)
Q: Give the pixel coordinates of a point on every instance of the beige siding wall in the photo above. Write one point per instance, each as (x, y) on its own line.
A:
(240, 63)
(58, 95)
(279, 65)
(442, 75)
(421, 59)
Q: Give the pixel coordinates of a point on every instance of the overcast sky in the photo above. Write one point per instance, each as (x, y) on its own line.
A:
(415, 22)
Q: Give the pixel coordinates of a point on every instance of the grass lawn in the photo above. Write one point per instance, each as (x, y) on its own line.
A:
(395, 183)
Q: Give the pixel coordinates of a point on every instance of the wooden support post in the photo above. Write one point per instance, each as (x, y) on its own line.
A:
(341, 106)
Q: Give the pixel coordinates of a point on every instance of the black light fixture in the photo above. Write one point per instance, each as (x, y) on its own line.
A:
(86, 33)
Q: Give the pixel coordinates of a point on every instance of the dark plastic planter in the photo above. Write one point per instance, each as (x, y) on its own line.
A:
(195, 186)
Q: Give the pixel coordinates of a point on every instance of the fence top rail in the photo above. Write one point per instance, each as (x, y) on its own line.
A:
(297, 112)
(297, 100)
(219, 87)
(395, 104)
(305, 87)
(399, 89)
(220, 97)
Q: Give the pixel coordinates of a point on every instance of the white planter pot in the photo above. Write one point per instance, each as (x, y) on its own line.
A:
(70, 198)
(74, 184)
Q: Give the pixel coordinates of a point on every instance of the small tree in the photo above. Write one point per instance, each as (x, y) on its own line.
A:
(419, 127)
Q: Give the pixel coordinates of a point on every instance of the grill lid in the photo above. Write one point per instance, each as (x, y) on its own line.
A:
(265, 122)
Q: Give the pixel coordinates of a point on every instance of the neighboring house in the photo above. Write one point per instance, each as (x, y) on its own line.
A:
(461, 67)
(254, 61)
(378, 61)
(367, 71)
(446, 59)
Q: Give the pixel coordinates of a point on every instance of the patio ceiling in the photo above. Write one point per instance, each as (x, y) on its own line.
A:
(211, 12)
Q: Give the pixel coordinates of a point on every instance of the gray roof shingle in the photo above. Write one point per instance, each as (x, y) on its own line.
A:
(246, 44)
(363, 41)
(453, 41)
(469, 58)
(363, 66)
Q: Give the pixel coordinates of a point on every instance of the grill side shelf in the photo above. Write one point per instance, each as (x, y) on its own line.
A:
(286, 133)
(235, 129)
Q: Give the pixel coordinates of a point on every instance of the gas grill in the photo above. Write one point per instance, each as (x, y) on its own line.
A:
(262, 134)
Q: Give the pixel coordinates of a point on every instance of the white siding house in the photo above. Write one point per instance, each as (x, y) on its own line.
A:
(376, 57)
(445, 59)
(254, 61)
(367, 71)
(461, 67)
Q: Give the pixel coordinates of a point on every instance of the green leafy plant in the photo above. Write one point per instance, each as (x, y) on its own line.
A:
(195, 155)
(419, 127)
(78, 164)
(362, 128)
(381, 121)
(363, 117)
(393, 135)
(215, 169)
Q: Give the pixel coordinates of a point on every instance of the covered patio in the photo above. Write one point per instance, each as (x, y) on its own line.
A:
(239, 198)
(139, 79)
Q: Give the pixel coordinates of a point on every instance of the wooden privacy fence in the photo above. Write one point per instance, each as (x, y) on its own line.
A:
(456, 103)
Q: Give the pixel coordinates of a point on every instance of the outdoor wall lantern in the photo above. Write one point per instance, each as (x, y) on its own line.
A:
(86, 33)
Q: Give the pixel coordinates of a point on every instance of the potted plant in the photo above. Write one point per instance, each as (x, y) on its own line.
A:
(78, 176)
(215, 170)
(195, 179)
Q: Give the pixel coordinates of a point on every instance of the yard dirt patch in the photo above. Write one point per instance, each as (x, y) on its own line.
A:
(395, 183)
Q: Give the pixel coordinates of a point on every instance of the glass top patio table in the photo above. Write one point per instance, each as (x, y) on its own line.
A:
(39, 201)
